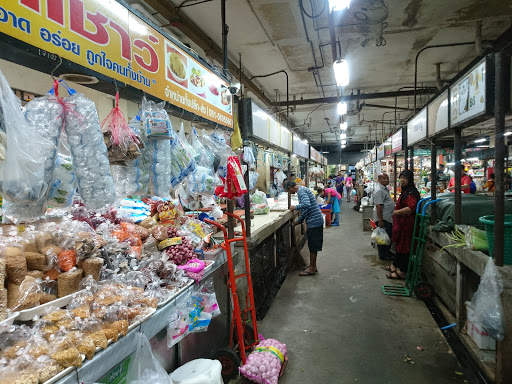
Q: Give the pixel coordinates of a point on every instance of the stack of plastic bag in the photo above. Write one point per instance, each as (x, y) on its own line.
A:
(125, 178)
(63, 186)
(133, 210)
(182, 161)
(89, 153)
(161, 167)
(203, 179)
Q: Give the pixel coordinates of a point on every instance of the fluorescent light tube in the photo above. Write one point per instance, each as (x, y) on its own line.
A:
(343, 136)
(343, 126)
(483, 139)
(338, 5)
(342, 108)
(341, 72)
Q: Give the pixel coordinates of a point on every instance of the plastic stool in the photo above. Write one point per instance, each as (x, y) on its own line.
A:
(199, 371)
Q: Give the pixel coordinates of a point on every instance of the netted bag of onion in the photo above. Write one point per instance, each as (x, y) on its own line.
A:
(264, 364)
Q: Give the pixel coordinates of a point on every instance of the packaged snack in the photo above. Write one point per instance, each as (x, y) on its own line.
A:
(3, 304)
(35, 261)
(92, 267)
(69, 282)
(66, 260)
(15, 264)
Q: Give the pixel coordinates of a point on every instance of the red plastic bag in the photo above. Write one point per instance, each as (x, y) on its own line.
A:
(235, 182)
(122, 142)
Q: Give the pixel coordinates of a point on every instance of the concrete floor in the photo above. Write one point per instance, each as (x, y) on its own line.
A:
(340, 328)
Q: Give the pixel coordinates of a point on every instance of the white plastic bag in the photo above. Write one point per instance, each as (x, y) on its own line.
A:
(380, 236)
(486, 303)
(144, 367)
(22, 173)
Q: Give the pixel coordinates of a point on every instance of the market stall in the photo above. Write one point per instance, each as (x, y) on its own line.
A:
(271, 236)
(469, 227)
(103, 195)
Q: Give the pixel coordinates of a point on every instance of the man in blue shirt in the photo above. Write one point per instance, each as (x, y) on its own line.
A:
(309, 211)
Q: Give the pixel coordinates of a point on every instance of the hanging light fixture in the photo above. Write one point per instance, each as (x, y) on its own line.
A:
(482, 140)
(338, 5)
(342, 108)
(341, 72)
(343, 146)
(343, 136)
(343, 142)
(343, 126)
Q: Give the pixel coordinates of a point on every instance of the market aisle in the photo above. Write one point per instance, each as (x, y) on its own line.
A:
(340, 328)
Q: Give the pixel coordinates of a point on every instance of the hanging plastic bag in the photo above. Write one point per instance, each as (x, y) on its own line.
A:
(155, 119)
(89, 152)
(186, 144)
(27, 151)
(248, 156)
(235, 182)
(179, 325)
(486, 303)
(380, 236)
(236, 137)
(253, 179)
(144, 367)
(122, 142)
(260, 203)
(182, 161)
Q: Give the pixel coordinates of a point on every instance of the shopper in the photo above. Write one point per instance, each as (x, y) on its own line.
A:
(403, 225)
(331, 183)
(339, 183)
(331, 196)
(309, 211)
(382, 213)
(348, 185)
(465, 181)
(489, 185)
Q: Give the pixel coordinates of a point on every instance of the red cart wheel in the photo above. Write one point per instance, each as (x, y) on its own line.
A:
(230, 362)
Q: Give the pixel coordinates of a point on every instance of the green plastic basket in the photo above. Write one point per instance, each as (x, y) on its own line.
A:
(488, 221)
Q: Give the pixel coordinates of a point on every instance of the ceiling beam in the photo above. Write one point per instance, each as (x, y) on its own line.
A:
(182, 22)
(362, 96)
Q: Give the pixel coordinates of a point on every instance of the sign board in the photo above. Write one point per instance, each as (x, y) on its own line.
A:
(468, 95)
(300, 147)
(387, 147)
(118, 374)
(373, 155)
(396, 142)
(417, 128)
(314, 155)
(106, 37)
(438, 114)
(286, 140)
(260, 123)
(422, 152)
(380, 151)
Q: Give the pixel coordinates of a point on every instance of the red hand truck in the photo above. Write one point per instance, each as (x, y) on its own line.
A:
(246, 336)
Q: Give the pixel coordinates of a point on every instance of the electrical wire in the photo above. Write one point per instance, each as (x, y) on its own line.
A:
(301, 6)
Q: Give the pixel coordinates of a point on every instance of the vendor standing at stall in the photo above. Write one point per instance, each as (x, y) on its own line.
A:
(309, 211)
(383, 213)
(331, 196)
(465, 181)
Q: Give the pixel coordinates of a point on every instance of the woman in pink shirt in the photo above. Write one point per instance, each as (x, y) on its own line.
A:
(332, 197)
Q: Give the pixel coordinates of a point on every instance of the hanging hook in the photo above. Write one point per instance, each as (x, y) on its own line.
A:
(54, 69)
(181, 117)
(117, 89)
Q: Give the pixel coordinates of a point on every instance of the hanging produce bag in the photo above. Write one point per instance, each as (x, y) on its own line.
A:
(122, 142)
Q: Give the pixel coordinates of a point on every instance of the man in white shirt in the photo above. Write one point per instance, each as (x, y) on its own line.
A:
(382, 213)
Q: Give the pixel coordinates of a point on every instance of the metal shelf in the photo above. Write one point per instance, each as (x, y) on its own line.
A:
(106, 359)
